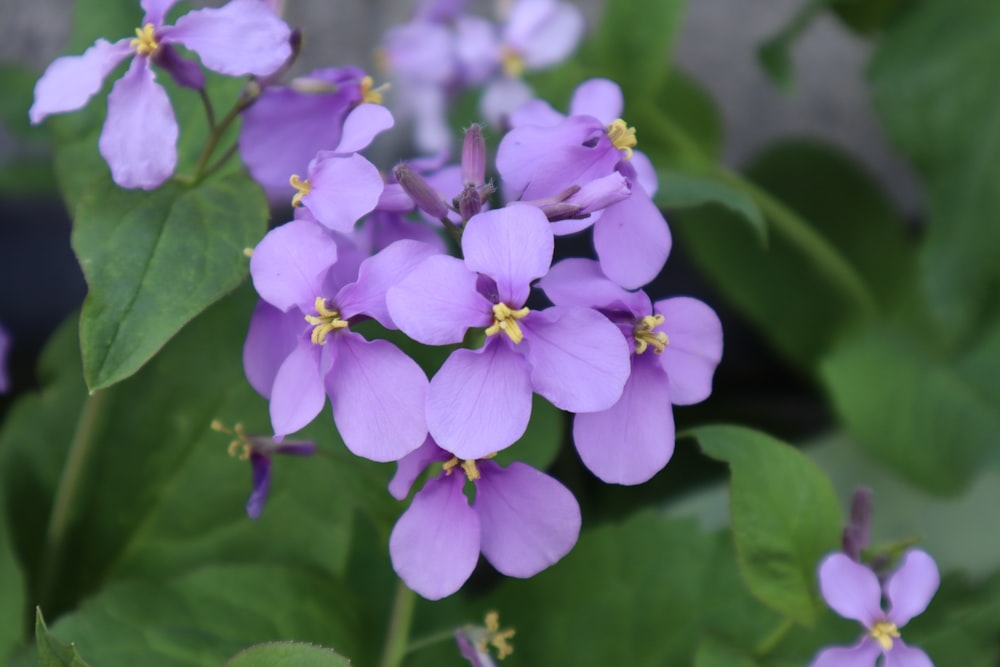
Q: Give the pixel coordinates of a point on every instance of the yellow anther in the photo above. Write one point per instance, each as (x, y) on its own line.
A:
(328, 320)
(512, 62)
(468, 466)
(499, 639)
(505, 319)
(303, 188)
(369, 93)
(622, 136)
(645, 336)
(248, 252)
(144, 41)
(238, 448)
(884, 632)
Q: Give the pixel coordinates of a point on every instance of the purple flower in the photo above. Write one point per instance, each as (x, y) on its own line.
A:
(522, 520)
(139, 139)
(474, 641)
(258, 449)
(300, 347)
(480, 400)
(4, 351)
(853, 591)
(676, 346)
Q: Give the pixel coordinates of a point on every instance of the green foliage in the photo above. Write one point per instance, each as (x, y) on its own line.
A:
(13, 599)
(714, 653)
(51, 651)
(785, 517)
(288, 654)
(680, 191)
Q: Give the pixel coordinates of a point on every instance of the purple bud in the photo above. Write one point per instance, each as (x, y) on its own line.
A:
(426, 198)
(185, 72)
(857, 532)
(601, 193)
(474, 156)
(469, 203)
(561, 211)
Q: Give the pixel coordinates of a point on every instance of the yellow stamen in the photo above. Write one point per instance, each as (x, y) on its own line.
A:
(369, 93)
(499, 639)
(303, 188)
(645, 336)
(622, 136)
(144, 41)
(505, 319)
(512, 62)
(328, 320)
(468, 466)
(884, 632)
(248, 252)
(238, 448)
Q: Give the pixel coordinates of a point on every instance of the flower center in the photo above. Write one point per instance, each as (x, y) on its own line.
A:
(884, 632)
(239, 447)
(371, 94)
(303, 188)
(505, 319)
(645, 336)
(144, 41)
(622, 136)
(467, 465)
(512, 62)
(328, 320)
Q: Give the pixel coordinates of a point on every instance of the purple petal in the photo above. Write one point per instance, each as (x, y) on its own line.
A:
(271, 338)
(295, 447)
(438, 301)
(863, 654)
(69, 82)
(645, 172)
(297, 395)
(156, 10)
(694, 350)
(544, 31)
(260, 466)
(512, 245)
(289, 264)
(429, 106)
(409, 468)
(343, 189)
(851, 589)
(535, 112)
(376, 275)
(579, 359)
(911, 587)
(435, 544)
(580, 282)
(632, 240)
(480, 400)
(241, 37)
(4, 350)
(362, 126)
(477, 49)
(634, 439)
(139, 139)
(502, 97)
(902, 655)
(600, 98)
(185, 72)
(529, 520)
(378, 395)
(421, 52)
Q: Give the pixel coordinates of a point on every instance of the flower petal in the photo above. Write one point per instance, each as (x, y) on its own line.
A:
(600, 98)
(376, 275)
(632, 240)
(502, 97)
(911, 587)
(260, 466)
(156, 10)
(343, 189)
(290, 262)
(362, 126)
(851, 589)
(271, 338)
(476, 49)
(579, 359)
(378, 396)
(535, 112)
(435, 544)
(580, 282)
(70, 81)
(528, 519)
(241, 37)
(694, 350)
(297, 395)
(634, 439)
(480, 400)
(863, 654)
(512, 245)
(438, 301)
(902, 655)
(409, 467)
(139, 139)
(544, 31)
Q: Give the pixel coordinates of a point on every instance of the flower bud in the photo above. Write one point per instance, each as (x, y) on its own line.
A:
(474, 156)
(426, 198)
(858, 531)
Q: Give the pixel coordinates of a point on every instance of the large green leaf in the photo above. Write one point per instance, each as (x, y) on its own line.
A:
(680, 191)
(288, 654)
(13, 599)
(713, 653)
(785, 517)
(154, 260)
(941, 109)
(51, 651)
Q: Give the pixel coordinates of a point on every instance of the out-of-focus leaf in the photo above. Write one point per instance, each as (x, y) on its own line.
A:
(679, 191)
(13, 599)
(868, 16)
(27, 177)
(18, 86)
(785, 516)
(51, 651)
(713, 653)
(288, 654)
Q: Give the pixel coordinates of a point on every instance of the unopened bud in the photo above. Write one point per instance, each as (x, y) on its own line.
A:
(858, 531)
(474, 156)
(426, 198)
(600, 193)
(468, 203)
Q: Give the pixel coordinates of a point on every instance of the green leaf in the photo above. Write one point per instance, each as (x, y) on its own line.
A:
(18, 85)
(785, 517)
(678, 191)
(941, 111)
(51, 651)
(13, 599)
(776, 59)
(868, 16)
(288, 654)
(713, 653)
(153, 260)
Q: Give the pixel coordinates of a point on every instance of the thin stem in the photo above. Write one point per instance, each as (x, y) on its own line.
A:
(398, 635)
(213, 140)
(68, 491)
(771, 641)
(453, 229)
(430, 640)
(222, 160)
(209, 111)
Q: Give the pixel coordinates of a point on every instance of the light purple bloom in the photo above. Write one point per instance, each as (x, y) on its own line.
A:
(139, 139)
(4, 351)
(522, 521)
(300, 348)
(853, 591)
(676, 346)
(480, 400)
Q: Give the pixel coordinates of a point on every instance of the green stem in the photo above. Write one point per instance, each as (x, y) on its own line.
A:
(209, 111)
(398, 635)
(771, 641)
(66, 501)
(430, 640)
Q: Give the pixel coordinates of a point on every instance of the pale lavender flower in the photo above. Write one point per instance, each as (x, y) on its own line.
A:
(4, 351)
(480, 400)
(139, 138)
(853, 591)
(300, 347)
(676, 346)
(522, 521)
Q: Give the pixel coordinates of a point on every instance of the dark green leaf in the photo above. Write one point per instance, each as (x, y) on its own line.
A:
(868, 16)
(785, 517)
(288, 654)
(678, 191)
(18, 85)
(13, 599)
(26, 177)
(51, 651)
(713, 653)
(776, 59)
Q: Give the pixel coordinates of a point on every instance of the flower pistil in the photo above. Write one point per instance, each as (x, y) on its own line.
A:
(645, 335)
(505, 319)
(326, 321)
(884, 632)
(622, 136)
(144, 41)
